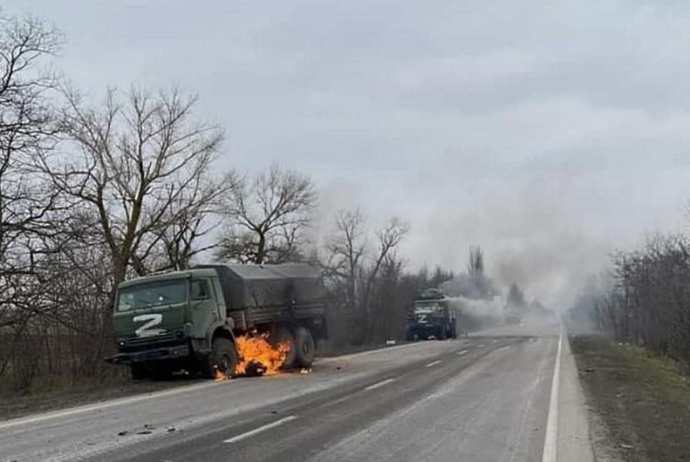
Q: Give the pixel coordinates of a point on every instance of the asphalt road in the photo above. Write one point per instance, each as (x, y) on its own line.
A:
(485, 398)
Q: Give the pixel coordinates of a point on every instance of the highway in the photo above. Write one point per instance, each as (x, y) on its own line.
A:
(486, 398)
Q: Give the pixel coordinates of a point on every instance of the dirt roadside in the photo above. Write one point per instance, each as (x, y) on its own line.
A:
(640, 405)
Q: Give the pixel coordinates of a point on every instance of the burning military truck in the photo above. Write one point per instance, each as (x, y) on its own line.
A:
(201, 319)
(431, 316)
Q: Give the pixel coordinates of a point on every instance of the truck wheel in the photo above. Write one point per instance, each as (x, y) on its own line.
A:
(305, 348)
(285, 335)
(223, 358)
(442, 333)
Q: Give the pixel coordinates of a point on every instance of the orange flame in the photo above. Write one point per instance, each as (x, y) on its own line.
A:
(258, 357)
(219, 376)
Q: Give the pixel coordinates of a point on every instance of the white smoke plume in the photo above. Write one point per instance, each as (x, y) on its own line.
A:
(483, 309)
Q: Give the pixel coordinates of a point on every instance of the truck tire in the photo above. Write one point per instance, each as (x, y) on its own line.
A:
(442, 333)
(284, 334)
(223, 358)
(305, 348)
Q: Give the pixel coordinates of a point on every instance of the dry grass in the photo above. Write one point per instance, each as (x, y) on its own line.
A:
(643, 400)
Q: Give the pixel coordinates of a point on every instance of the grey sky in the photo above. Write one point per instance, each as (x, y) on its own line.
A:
(547, 132)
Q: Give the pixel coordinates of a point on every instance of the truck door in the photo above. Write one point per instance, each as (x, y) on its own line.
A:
(204, 306)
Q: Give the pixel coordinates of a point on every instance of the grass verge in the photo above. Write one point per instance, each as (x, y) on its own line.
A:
(642, 400)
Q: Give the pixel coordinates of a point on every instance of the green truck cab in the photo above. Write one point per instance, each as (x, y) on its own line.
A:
(431, 316)
(190, 319)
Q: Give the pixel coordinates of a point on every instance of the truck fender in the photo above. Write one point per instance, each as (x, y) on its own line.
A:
(202, 347)
(224, 326)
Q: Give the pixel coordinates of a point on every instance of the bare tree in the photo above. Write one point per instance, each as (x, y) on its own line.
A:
(345, 251)
(648, 302)
(475, 267)
(389, 236)
(267, 215)
(194, 215)
(143, 165)
(28, 125)
(352, 268)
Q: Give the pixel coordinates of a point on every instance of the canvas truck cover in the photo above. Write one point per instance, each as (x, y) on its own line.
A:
(254, 286)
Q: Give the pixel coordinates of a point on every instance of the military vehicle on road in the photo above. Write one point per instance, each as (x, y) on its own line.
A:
(190, 319)
(431, 316)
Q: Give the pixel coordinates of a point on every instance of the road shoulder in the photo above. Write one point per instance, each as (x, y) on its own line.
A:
(574, 444)
(639, 405)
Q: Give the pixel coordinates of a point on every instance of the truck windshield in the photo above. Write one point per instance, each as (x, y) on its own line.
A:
(426, 307)
(150, 294)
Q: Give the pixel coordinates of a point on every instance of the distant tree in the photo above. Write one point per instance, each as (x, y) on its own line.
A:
(266, 216)
(516, 298)
(440, 276)
(475, 267)
(388, 237)
(358, 270)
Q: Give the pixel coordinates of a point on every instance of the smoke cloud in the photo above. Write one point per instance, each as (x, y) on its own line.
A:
(482, 309)
(531, 235)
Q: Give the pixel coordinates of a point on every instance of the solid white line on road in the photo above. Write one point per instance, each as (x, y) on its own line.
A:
(379, 384)
(434, 363)
(551, 441)
(258, 430)
(462, 352)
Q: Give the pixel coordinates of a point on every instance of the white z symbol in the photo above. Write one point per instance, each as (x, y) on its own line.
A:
(145, 330)
(421, 318)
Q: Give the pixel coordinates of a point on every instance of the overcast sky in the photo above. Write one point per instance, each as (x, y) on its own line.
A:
(546, 132)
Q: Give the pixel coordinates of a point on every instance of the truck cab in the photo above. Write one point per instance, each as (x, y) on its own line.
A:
(431, 318)
(168, 319)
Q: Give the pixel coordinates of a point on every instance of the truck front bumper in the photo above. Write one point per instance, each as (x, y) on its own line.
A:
(157, 354)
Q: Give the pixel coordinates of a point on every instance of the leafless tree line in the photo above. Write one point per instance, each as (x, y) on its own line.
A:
(646, 299)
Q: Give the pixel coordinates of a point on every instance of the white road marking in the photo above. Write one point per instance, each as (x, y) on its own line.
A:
(106, 404)
(258, 430)
(379, 384)
(434, 363)
(551, 440)
(463, 352)
(481, 346)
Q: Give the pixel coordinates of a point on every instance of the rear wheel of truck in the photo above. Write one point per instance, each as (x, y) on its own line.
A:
(305, 348)
(285, 335)
(223, 358)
